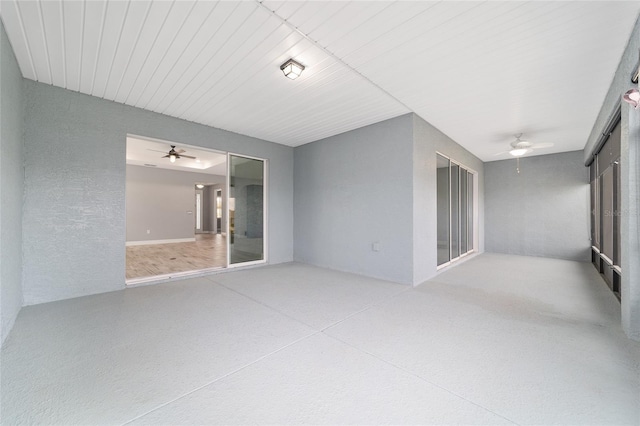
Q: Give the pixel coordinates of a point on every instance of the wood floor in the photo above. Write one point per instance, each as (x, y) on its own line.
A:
(208, 251)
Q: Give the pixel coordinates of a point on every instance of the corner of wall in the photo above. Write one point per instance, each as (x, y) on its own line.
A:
(12, 193)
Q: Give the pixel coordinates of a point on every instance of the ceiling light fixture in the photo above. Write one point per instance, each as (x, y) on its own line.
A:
(292, 69)
(518, 152)
(172, 158)
(632, 97)
(199, 186)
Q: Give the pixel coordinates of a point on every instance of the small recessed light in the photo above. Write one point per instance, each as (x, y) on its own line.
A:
(292, 69)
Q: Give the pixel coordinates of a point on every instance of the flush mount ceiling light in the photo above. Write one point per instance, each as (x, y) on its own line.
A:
(199, 186)
(632, 97)
(292, 69)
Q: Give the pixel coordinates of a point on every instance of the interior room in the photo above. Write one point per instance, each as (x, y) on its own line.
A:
(175, 222)
(279, 212)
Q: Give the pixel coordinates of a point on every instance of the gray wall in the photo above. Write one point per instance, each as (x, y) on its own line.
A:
(159, 200)
(542, 211)
(74, 211)
(352, 190)
(629, 179)
(428, 140)
(11, 186)
(376, 184)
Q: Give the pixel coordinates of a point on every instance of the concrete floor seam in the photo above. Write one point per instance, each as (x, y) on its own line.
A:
(231, 373)
(366, 308)
(265, 305)
(421, 378)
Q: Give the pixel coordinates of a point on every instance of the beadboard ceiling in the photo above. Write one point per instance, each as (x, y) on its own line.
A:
(478, 71)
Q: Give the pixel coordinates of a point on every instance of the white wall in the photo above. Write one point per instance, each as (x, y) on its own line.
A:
(163, 202)
(74, 206)
(11, 186)
(428, 140)
(352, 190)
(543, 210)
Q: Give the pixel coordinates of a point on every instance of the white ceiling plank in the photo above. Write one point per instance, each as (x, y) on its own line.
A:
(112, 35)
(241, 24)
(135, 20)
(94, 15)
(72, 37)
(381, 24)
(350, 17)
(144, 44)
(252, 76)
(17, 36)
(235, 52)
(174, 52)
(196, 55)
(246, 70)
(168, 32)
(287, 9)
(309, 24)
(35, 36)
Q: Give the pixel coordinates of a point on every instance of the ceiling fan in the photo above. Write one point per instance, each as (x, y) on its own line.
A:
(520, 147)
(174, 154)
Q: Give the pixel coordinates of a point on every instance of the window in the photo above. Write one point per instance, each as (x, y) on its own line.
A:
(604, 174)
(455, 204)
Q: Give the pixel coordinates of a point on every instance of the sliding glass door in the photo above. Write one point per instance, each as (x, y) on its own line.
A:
(455, 205)
(246, 241)
(604, 174)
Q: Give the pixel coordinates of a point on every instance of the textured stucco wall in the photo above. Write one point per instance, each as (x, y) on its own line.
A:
(428, 140)
(11, 185)
(352, 190)
(74, 211)
(159, 200)
(542, 211)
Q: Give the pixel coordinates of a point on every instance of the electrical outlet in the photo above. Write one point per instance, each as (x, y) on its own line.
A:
(375, 246)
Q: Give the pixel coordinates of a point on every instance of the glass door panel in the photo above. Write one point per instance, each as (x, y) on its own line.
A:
(455, 211)
(442, 179)
(464, 199)
(246, 210)
(470, 211)
(607, 213)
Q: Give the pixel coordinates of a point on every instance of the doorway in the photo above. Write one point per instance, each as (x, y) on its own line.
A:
(201, 211)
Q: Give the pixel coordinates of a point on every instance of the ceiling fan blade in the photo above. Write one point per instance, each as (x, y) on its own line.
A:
(155, 150)
(541, 145)
(180, 150)
(165, 156)
(186, 156)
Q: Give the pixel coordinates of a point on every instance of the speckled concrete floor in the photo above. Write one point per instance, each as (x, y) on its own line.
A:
(497, 340)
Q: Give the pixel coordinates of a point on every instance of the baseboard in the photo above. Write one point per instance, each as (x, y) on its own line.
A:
(150, 242)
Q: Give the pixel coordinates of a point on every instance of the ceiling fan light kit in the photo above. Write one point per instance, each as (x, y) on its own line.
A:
(174, 155)
(518, 152)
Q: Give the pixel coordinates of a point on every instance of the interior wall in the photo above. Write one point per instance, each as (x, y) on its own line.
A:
(428, 141)
(352, 191)
(162, 201)
(542, 211)
(74, 207)
(11, 186)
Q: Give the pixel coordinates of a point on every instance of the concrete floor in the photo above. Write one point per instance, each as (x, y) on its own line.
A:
(496, 340)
